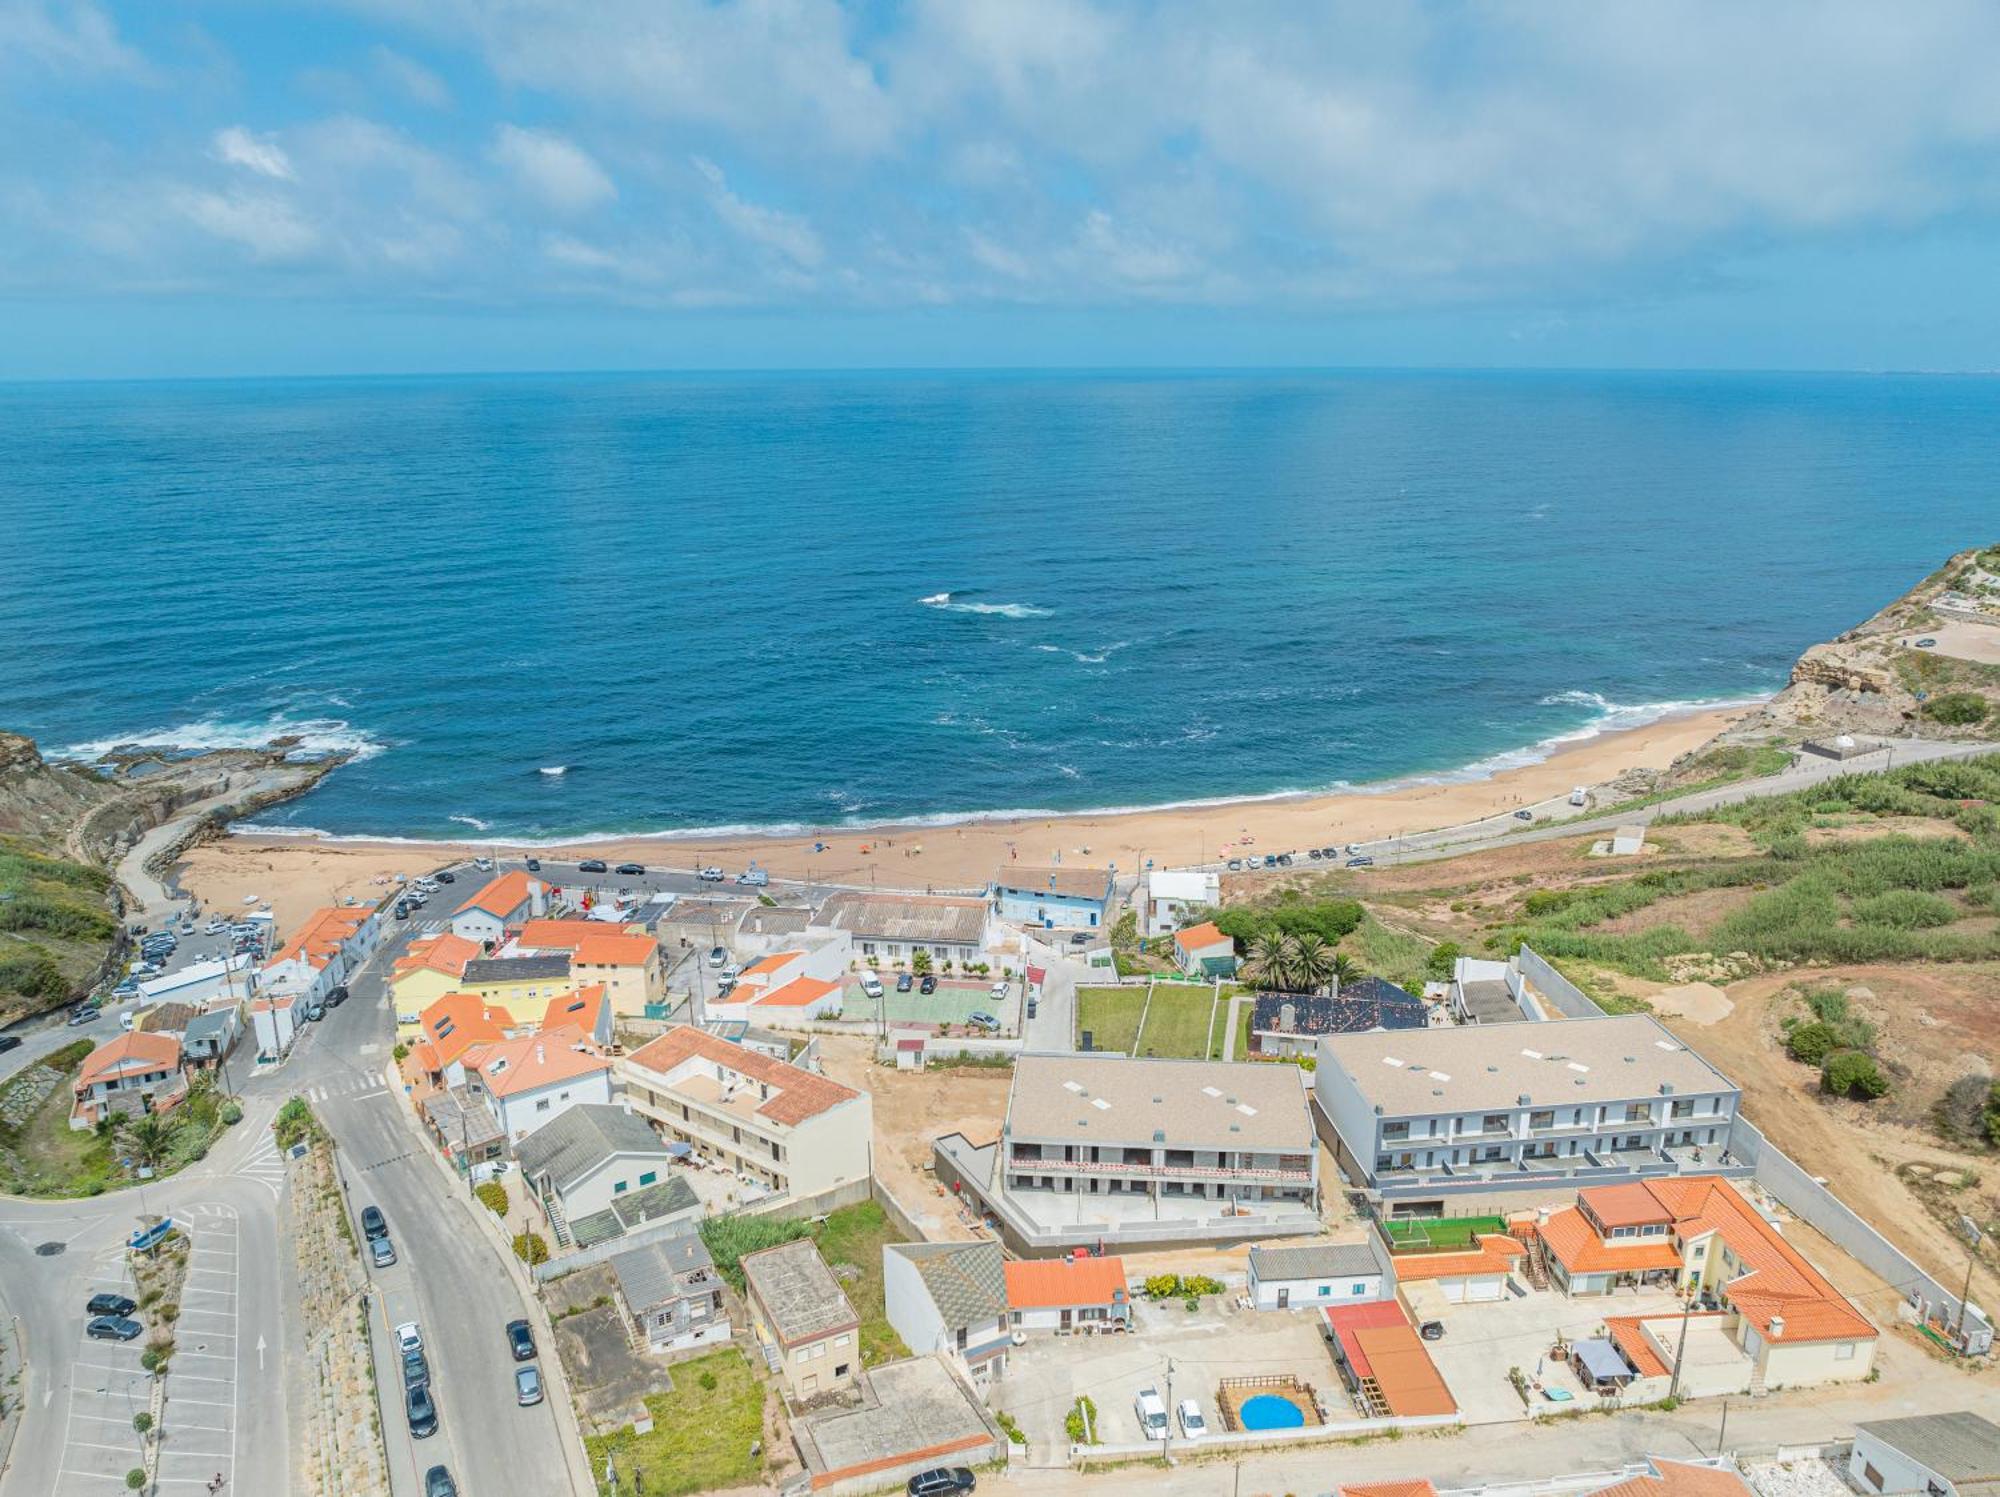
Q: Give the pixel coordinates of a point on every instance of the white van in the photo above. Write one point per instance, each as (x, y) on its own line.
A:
(871, 984)
(1193, 1426)
(1580, 796)
(1151, 1413)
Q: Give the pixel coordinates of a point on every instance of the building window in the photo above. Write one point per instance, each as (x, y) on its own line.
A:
(541, 1104)
(841, 1370)
(1843, 1351)
(1325, 1290)
(649, 1178)
(1358, 1289)
(840, 1340)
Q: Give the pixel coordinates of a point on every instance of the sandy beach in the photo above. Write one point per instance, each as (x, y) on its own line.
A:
(293, 874)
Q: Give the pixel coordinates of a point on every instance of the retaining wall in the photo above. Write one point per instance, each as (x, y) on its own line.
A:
(1561, 993)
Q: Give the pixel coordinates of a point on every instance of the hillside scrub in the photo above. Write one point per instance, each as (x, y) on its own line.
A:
(1292, 915)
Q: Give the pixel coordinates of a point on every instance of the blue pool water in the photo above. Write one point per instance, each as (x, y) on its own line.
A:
(1270, 1411)
(551, 607)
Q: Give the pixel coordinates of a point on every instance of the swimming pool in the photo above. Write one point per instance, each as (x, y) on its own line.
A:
(1270, 1411)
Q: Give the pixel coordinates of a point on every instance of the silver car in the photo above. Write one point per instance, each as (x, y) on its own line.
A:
(528, 1386)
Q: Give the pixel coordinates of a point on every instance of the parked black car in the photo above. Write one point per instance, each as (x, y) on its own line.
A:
(415, 1369)
(633, 870)
(904, 982)
(438, 1483)
(110, 1304)
(929, 984)
(9, 1042)
(593, 865)
(942, 1481)
(445, 876)
(373, 1224)
(1431, 1330)
(522, 1340)
(338, 996)
(534, 866)
(422, 1410)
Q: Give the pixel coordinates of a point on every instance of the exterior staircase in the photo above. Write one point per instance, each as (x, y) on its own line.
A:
(1535, 1265)
(558, 1223)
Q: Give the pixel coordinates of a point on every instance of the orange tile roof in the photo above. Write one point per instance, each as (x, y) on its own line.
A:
(1496, 1255)
(507, 1067)
(457, 1022)
(1195, 937)
(443, 952)
(325, 931)
(800, 992)
(1625, 1330)
(768, 966)
(1418, 1488)
(1630, 1205)
(155, 1052)
(799, 1094)
(613, 948)
(1052, 1283)
(1579, 1249)
(556, 935)
(1778, 1281)
(580, 1009)
(1404, 1372)
(501, 897)
(1678, 1479)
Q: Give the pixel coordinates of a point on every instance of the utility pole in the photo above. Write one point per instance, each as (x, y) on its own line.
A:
(1722, 1435)
(1167, 1449)
(1970, 1228)
(1680, 1351)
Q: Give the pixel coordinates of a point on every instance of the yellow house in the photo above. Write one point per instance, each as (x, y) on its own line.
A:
(522, 985)
(626, 960)
(428, 969)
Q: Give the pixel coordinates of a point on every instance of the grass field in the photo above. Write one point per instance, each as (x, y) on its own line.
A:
(854, 1235)
(1447, 1234)
(702, 1437)
(1178, 1021)
(1111, 1015)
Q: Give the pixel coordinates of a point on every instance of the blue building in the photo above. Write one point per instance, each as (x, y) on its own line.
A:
(1053, 898)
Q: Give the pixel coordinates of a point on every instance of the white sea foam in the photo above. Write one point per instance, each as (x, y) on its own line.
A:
(943, 601)
(472, 821)
(554, 771)
(315, 734)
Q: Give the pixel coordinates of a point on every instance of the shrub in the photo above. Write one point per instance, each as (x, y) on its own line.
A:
(293, 1122)
(231, 1114)
(492, 1195)
(1852, 1073)
(707, 1381)
(134, 1479)
(1969, 1110)
(531, 1249)
(142, 1421)
(1015, 1434)
(1904, 909)
(1811, 1043)
(1081, 1422)
(1444, 956)
(401, 1052)
(1163, 1286)
(1957, 709)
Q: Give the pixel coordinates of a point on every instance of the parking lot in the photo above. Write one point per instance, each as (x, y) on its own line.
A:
(955, 1002)
(1045, 1376)
(1481, 1342)
(197, 1420)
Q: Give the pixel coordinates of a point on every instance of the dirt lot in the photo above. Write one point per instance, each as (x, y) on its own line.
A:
(912, 1110)
(1935, 1025)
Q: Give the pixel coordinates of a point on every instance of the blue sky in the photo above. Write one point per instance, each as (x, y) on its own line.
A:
(281, 186)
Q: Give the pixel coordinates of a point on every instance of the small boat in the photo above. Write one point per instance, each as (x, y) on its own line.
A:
(936, 600)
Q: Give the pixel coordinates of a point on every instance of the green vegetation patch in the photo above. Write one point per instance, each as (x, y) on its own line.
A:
(850, 1240)
(1179, 1021)
(705, 1433)
(1446, 1234)
(54, 927)
(41, 1155)
(1111, 1015)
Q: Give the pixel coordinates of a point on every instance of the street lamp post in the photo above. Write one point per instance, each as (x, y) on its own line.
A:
(1970, 1229)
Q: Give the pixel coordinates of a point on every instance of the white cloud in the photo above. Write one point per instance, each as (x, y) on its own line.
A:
(559, 172)
(74, 37)
(787, 234)
(236, 146)
(411, 77)
(267, 226)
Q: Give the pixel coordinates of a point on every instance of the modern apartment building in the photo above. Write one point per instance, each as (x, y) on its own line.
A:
(1105, 1149)
(1457, 1109)
(796, 1133)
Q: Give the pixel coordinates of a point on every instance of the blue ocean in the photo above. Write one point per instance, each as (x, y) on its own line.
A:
(548, 607)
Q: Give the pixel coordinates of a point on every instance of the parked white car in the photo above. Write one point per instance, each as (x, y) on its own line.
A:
(1151, 1414)
(1193, 1426)
(998, 992)
(871, 984)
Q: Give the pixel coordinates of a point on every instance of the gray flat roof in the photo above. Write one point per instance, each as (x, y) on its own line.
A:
(515, 968)
(913, 1407)
(1490, 1002)
(1417, 1072)
(1961, 1447)
(906, 917)
(798, 1291)
(1314, 1260)
(1202, 1104)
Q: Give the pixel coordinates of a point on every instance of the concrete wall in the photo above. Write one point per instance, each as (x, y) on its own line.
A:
(1305, 1293)
(909, 1307)
(1557, 989)
(1807, 1364)
(1899, 1473)
(1807, 1198)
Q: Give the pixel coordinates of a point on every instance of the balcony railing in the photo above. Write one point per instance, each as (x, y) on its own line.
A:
(1162, 1171)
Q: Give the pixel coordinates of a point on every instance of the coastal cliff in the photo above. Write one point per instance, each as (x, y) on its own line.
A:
(71, 867)
(1926, 666)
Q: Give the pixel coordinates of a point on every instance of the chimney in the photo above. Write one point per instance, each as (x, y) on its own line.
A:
(1522, 1100)
(1288, 1015)
(1777, 1328)
(541, 1054)
(1666, 1088)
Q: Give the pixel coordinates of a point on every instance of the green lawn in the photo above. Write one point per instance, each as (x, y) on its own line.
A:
(1178, 1021)
(1446, 1234)
(701, 1437)
(1111, 1015)
(855, 1235)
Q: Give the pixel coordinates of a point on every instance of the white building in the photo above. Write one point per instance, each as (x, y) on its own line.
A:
(1943, 1455)
(673, 1293)
(949, 1297)
(531, 1081)
(507, 900)
(324, 951)
(1315, 1275)
(890, 928)
(588, 1155)
(1169, 898)
(201, 983)
(274, 1024)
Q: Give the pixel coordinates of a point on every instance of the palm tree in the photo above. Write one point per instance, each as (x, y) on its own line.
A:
(1343, 969)
(1312, 961)
(1271, 960)
(920, 961)
(149, 1137)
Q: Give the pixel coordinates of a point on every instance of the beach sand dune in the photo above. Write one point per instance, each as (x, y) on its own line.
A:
(296, 873)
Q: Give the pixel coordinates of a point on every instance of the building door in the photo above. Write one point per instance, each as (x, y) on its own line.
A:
(1065, 1320)
(1284, 1299)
